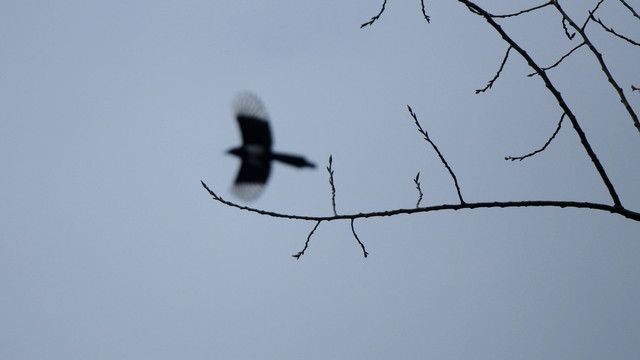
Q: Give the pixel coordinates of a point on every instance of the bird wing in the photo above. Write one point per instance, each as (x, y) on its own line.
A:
(251, 178)
(253, 120)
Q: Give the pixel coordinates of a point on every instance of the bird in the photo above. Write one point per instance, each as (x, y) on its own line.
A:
(255, 152)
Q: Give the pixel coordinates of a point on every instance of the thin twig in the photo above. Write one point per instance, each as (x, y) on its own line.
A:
(513, 158)
(566, 30)
(333, 188)
(477, 205)
(559, 61)
(426, 137)
(522, 12)
(353, 230)
(306, 243)
(490, 83)
(591, 12)
(610, 30)
(373, 19)
(633, 88)
(417, 182)
(424, 13)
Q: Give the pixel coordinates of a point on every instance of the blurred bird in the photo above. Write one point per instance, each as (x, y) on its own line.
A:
(255, 152)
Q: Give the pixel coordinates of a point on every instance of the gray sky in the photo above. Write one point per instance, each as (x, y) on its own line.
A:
(112, 112)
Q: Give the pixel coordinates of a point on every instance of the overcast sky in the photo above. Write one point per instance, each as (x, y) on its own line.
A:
(112, 112)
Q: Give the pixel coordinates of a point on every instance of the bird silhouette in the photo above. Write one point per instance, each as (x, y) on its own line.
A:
(255, 152)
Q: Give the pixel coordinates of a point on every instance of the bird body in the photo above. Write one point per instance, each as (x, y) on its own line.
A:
(255, 152)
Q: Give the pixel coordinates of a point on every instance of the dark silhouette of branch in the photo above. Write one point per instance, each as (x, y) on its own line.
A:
(373, 19)
(630, 9)
(520, 158)
(559, 61)
(426, 137)
(424, 13)
(477, 205)
(566, 30)
(417, 182)
(353, 230)
(603, 66)
(490, 83)
(333, 188)
(574, 121)
(615, 208)
(523, 11)
(591, 12)
(306, 243)
(610, 30)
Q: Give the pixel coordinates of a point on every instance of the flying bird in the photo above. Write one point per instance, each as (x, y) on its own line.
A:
(255, 152)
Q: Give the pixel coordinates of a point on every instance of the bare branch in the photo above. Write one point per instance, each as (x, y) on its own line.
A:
(426, 137)
(353, 230)
(566, 30)
(306, 243)
(604, 67)
(523, 11)
(417, 182)
(574, 121)
(559, 61)
(490, 83)
(520, 158)
(610, 30)
(333, 188)
(633, 88)
(424, 13)
(591, 15)
(630, 9)
(497, 204)
(373, 19)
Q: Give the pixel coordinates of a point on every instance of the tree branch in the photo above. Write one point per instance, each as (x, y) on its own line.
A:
(490, 83)
(583, 138)
(426, 137)
(373, 19)
(542, 148)
(333, 188)
(417, 182)
(487, 205)
(559, 61)
(523, 11)
(306, 243)
(353, 230)
(604, 67)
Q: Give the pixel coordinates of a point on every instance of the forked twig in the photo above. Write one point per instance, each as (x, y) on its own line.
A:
(426, 137)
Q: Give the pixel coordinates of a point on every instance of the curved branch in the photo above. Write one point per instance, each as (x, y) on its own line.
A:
(496, 204)
(520, 158)
(373, 19)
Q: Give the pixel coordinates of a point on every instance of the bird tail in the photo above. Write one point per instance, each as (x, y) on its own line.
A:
(297, 161)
